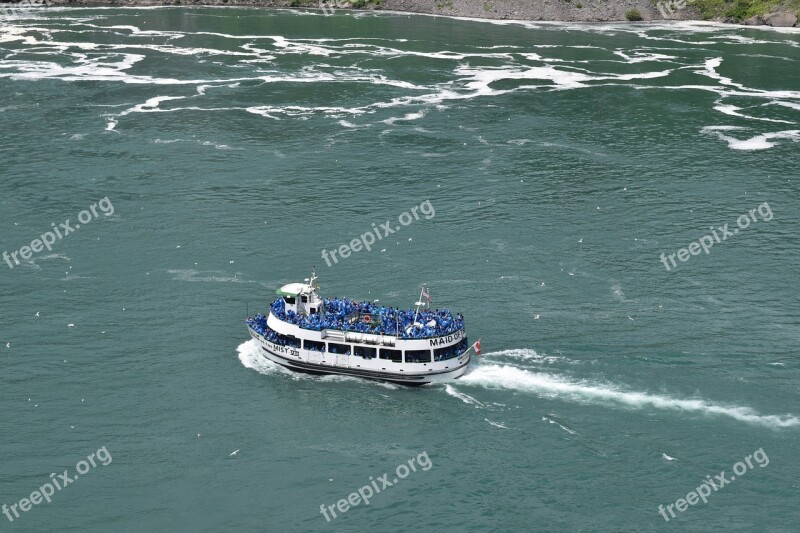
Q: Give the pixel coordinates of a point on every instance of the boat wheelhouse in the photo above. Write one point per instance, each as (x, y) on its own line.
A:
(308, 333)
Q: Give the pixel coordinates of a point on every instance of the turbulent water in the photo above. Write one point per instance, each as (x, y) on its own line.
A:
(210, 155)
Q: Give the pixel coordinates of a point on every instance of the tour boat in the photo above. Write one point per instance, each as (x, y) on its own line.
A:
(308, 333)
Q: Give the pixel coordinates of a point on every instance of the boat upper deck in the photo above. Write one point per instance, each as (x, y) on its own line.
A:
(345, 314)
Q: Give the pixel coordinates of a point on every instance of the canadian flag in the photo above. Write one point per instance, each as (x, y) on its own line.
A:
(478, 348)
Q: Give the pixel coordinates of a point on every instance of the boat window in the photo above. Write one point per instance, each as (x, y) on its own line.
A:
(365, 351)
(461, 347)
(418, 356)
(289, 299)
(304, 299)
(450, 352)
(395, 356)
(288, 340)
(314, 346)
(341, 349)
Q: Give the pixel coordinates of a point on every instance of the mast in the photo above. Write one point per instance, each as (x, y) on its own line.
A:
(419, 302)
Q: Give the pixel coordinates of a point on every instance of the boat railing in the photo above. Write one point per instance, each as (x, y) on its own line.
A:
(376, 334)
(354, 318)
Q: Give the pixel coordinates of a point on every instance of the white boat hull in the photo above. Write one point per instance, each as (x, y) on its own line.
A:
(350, 365)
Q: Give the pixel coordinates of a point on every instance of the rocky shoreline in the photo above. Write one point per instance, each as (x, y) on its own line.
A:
(534, 10)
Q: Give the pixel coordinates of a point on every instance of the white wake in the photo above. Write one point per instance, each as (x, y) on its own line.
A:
(505, 377)
(512, 378)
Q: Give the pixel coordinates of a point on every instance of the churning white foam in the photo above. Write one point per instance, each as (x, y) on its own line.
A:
(407, 117)
(53, 256)
(551, 386)
(733, 111)
(251, 358)
(103, 60)
(525, 354)
(562, 426)
(757, 142)
(496, 424)
(449, 389)
(211, 276)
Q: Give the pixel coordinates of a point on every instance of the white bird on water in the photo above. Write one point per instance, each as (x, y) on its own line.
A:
(233, 453)
(667, 457)
(8, 345)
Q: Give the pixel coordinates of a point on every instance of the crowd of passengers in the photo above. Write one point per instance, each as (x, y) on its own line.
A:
(259, 324)
(348, 315)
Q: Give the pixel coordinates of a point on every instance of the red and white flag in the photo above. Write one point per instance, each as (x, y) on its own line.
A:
(426, 295)
(478, 348)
